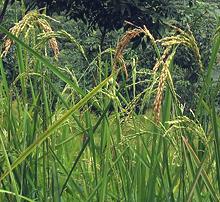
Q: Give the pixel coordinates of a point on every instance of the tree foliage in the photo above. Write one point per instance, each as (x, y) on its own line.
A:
(111, 14)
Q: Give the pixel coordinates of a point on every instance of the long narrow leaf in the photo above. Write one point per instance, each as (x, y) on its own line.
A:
(54, 126)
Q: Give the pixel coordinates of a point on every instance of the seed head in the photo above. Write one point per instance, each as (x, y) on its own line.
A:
(32, 20)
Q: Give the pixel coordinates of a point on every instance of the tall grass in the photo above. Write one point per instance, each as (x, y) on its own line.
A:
(74, 144)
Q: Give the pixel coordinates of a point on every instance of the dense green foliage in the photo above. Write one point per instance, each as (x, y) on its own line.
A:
(131, 116)
(110, 14)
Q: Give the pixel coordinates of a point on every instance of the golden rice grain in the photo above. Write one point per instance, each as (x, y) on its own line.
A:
(30, 21)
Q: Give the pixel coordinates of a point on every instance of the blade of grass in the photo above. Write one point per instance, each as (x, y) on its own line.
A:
(55, 125)
(204, 174)
(20, 196)
(217, 140)
(83, 148)
(9, 168)
(4, 80)
(21, 67)
(109, 171)
(192, 188)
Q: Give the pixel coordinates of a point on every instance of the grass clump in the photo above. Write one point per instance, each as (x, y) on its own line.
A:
(71, 144)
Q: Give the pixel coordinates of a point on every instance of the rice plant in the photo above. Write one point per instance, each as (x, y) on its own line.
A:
(68, 143)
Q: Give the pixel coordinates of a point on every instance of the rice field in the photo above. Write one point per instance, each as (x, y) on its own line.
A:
(71, 143)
